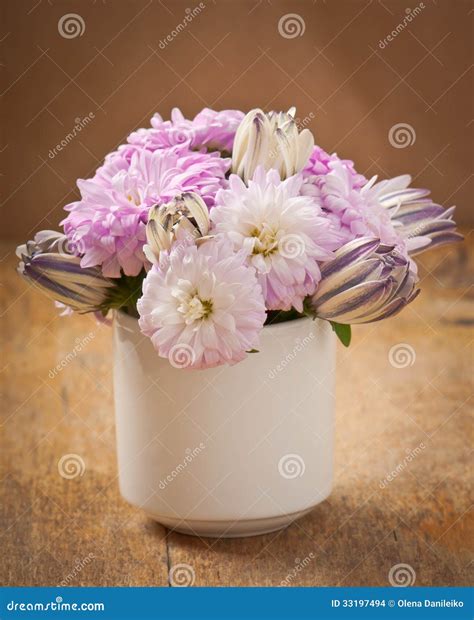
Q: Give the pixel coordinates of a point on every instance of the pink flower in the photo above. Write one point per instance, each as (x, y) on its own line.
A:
(320, 163)
(283, 233)
(397, 214)
(390, 210)
(107, 226)
(354, 211)
(210, 129)
(202, 306)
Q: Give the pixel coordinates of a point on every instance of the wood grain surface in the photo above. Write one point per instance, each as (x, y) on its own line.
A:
(413, 421)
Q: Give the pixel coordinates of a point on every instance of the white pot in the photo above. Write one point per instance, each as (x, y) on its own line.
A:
(229, 451)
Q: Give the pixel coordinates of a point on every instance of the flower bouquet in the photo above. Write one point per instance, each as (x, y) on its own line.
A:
(223, 239)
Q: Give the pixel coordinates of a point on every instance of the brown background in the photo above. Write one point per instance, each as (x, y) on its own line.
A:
(232, 55)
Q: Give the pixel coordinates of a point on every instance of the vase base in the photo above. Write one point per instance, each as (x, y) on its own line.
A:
(230, 529)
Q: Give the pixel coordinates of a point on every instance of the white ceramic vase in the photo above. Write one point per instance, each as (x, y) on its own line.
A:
(229, 451)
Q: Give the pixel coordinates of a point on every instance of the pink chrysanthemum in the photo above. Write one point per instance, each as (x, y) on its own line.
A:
(283, 233)
(107, 226)
(360, 211)
(320, 163)
(210, 129)
(356, 211)
(202, 306)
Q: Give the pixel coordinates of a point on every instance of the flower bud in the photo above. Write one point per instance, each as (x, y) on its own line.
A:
(273, 141)
(48, 264)
(185, 216)
(365, 282)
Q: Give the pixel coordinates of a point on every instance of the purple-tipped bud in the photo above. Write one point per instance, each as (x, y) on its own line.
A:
(48, 263)
(365, 282)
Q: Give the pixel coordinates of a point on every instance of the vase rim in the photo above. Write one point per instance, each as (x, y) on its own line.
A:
(267, 328)
(282, 324)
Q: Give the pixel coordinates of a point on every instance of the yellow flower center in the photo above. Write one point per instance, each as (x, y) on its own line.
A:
(265, 240)
(195, 309)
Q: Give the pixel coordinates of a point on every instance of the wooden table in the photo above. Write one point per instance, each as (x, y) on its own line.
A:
(409, 423)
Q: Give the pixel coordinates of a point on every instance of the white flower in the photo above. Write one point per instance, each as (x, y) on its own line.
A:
(282, 232)
(202, 305)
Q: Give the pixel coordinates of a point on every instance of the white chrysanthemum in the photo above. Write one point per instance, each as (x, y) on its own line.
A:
(283, 233)
(202, 305)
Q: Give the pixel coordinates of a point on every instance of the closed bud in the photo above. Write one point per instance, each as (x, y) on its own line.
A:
(48, 263)
(365, 282)
(273, 141)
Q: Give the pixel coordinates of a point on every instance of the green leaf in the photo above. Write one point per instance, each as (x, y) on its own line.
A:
(126, 293)
(308, 309)
(253, 351)
(343, 332)
(279, 316)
